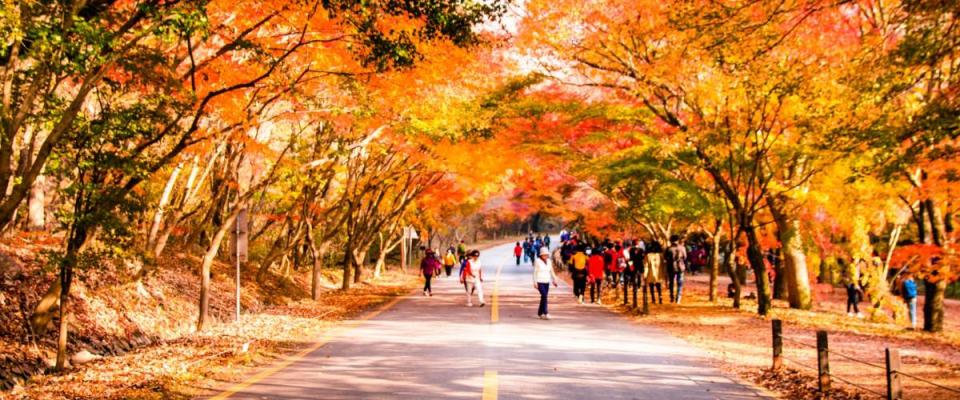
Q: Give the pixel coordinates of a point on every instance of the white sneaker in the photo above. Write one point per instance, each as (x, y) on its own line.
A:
(546, 317)
(469, 304)
(860, 315)
(600, 302)
(580, 300)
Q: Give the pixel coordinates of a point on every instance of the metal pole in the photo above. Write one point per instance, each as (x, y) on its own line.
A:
(236, 243)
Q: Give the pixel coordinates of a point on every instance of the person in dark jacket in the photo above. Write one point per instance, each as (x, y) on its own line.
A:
(676, 268)
(578, 272)
(429, 266)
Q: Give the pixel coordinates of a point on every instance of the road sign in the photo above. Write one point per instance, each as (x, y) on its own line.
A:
(410, 233)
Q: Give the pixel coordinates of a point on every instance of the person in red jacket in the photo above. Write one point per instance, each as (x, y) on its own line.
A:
(595, 274)
(518, 252)
(429, 266)
(612, 257)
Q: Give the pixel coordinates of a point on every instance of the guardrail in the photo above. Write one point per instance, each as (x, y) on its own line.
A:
(892, 368)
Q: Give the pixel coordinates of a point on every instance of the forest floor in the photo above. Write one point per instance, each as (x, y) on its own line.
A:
(138, 339)
(740, 342)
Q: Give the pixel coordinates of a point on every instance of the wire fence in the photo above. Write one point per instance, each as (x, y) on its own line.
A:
(931, 383)
(861, 387)
(891, 368)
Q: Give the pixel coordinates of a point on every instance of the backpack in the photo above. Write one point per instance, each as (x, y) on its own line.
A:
(668, 260)
(679, 264)
(466, 270)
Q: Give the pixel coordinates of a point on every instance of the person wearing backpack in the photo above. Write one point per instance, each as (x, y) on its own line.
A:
(471, 276)
(910, 297)
(677, 258)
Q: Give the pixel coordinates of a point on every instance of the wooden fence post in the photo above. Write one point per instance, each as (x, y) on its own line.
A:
(626, 298)
(894, 386)
(777, 344)
(823, 362)
(643, 288)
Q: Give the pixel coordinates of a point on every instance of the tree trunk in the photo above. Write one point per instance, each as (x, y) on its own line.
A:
(755, 257)
(714, 267)
(794, 261)
(779, 281)
(347, 266)
(318, 253)
(923, 224)
(937, 228)
(948, 221)
(36, 215)
(734, 272)
(161, 207)
(358, 258)
(205, 266)
(66, 278)
(933, 305)
(164, 236)
(78, 236)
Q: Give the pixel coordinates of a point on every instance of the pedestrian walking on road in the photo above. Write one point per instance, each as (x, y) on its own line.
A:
(462, 251)
(595, 272)
(578, 272)
(518, 252)
(527, 250)
(654, 271)
(429, 266)
(854, 291)
(472, 278)
(449, 261)
(677, 256)
(543, 276)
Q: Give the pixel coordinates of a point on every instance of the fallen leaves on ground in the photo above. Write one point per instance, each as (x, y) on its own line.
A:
(740, 343)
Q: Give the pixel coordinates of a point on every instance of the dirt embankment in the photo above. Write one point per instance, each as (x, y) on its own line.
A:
(137, 339)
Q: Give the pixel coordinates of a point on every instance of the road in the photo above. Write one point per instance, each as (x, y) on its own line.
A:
(437, 348)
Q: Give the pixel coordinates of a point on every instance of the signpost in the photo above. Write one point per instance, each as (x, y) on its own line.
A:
(409, 234)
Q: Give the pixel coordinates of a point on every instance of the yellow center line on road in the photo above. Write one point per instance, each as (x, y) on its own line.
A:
(495, 303)
(328, 336)
(490, 385)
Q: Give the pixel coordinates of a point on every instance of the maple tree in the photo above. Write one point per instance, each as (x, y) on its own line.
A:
(316, 130)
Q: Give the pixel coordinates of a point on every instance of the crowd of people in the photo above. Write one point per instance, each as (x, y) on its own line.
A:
(644, 265)
(631, 263)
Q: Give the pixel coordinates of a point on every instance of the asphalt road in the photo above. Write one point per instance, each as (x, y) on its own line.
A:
(437, 348)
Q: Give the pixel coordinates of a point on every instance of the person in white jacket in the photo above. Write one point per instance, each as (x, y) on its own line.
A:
(543, 276)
